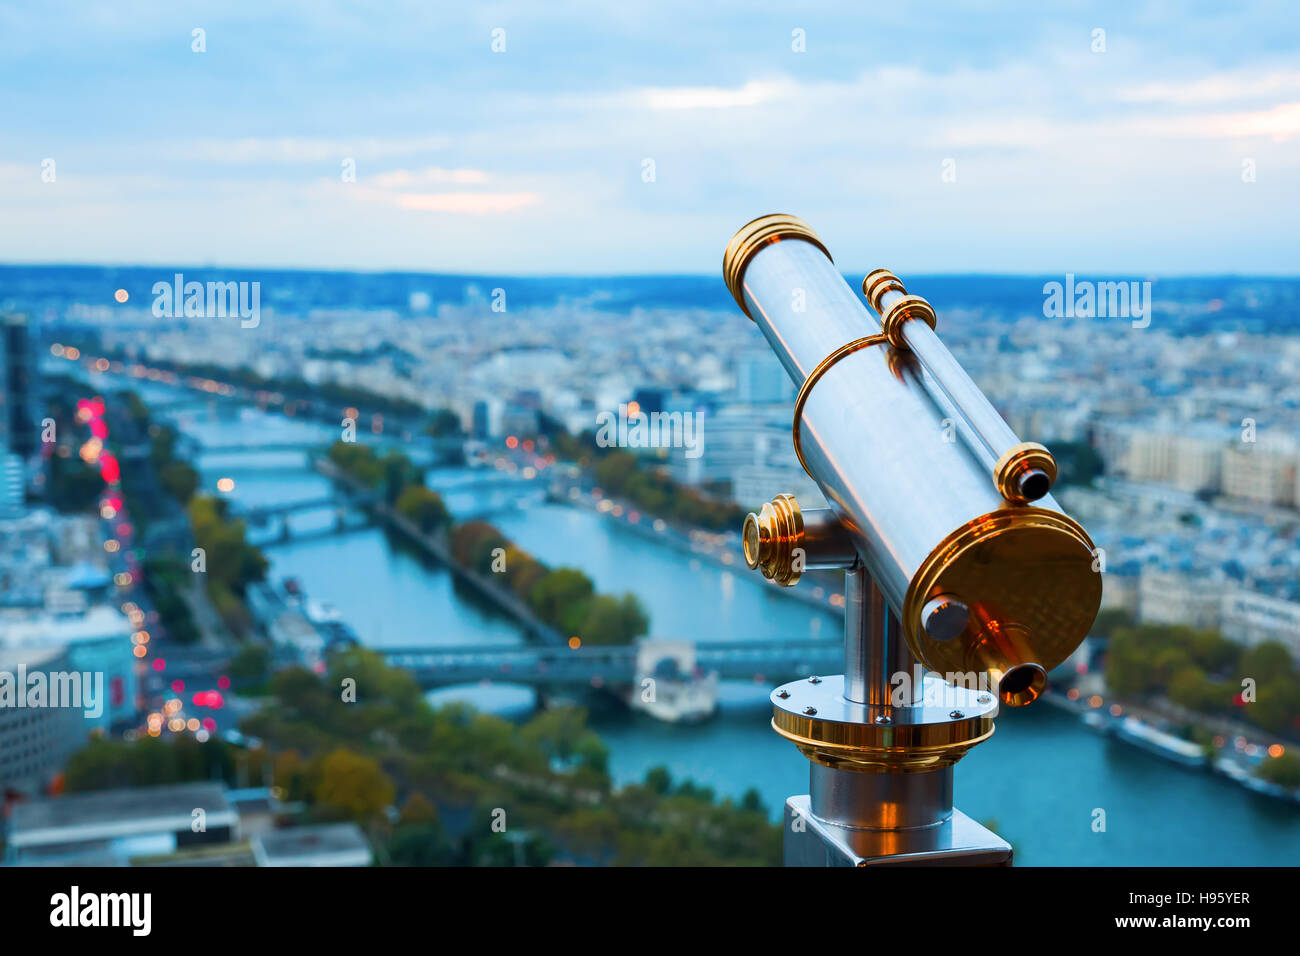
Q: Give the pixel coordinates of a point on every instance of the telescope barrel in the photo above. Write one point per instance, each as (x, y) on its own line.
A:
(1023, 471)
(980, 580)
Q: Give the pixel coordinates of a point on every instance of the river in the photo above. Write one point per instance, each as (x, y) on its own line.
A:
(1042, 776)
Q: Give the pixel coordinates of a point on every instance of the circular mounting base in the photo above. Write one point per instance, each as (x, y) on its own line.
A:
(934, 732)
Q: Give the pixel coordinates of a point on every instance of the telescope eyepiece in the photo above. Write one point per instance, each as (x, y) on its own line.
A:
(1022, 685)
(1034, 484)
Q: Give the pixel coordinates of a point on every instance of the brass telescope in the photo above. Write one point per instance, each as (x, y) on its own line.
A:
(965, 581)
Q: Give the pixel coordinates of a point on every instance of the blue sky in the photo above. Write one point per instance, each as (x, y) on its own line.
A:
(531, 160)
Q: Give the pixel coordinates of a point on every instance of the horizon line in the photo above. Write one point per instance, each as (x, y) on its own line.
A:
(174, 267)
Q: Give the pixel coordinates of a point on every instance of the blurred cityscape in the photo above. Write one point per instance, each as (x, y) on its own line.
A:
(398, 480)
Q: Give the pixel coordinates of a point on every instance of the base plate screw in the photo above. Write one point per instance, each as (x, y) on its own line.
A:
(956, 715)
(810, 710)
(783, 694)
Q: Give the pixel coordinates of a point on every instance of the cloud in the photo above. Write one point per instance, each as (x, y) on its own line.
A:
(752, 93)
(432, 174)
(1215, 88)
(299, 150)
(462, 203)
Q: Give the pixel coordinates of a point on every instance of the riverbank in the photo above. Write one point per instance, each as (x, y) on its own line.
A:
(1041, 775)
(1229, 763)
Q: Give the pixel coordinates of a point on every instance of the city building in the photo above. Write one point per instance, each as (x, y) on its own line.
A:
(113, 827)
(1254, 618)
(35, 742)
(1263, 472)
(95, 642)
(1165, 597)
(330, 844)
(12, 485)
(19, 428)
(761, 380)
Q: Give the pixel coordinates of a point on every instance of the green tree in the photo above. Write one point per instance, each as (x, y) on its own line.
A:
(444, 423)
(423, 507)
(658, 780)
(179, 480)
(421, 844)
(252, 664)
(1283, 770)
(611, 620)
(559, 592)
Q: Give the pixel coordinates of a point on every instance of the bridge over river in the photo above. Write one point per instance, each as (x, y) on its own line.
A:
(769, 661)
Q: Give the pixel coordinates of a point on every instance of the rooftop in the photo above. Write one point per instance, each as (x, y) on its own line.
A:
(331, 844)
(122, 812)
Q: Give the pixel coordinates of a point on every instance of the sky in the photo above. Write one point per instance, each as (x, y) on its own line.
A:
(626, 137)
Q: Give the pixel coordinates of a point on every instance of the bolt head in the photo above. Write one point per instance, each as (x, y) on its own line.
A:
(884, 719)
(956, 715)
(814, 680)
(810, 710)
(783, 694)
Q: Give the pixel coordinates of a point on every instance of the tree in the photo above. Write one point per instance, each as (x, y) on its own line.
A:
(418, 809)
(423, 507)
(1283, 770)
(558, 592)
(614, 470)
(354, 785)
(523, 571)
(444, 423)
(1109, 619)
(179, 480)
(658, 780)
(74, 485)
(611, 620)
(251, 664)
(399, 475)
(561, 734)
(422, 844)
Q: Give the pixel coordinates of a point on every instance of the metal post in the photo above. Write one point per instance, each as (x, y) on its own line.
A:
(874, 649)
(861, 810)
